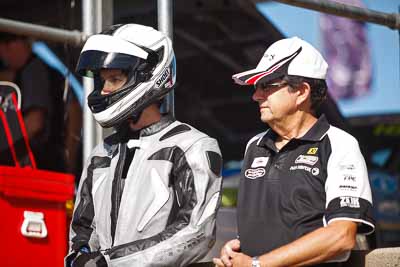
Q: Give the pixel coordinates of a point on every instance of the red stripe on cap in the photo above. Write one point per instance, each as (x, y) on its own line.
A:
(254, 78)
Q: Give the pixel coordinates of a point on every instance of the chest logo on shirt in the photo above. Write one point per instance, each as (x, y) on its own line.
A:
(259, 162)
(305, 159)
(313, 171)
(312, 151)
(254, 173)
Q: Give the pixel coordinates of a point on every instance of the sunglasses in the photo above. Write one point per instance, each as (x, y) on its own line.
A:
(270, 86)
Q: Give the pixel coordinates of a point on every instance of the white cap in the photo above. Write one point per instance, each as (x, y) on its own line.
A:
(291, 56)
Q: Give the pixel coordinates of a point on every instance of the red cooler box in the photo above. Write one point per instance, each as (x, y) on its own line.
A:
(33, 217)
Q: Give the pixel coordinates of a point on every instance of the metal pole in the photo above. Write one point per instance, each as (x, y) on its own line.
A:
(98, 27)
(88, 28)
(164, 12)
(42, 32)
(165, 17)
(352, 12)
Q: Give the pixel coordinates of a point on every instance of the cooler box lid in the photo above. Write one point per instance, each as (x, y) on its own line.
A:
(36, 184)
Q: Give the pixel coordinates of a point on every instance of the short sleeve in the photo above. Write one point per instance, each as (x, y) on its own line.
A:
(35, 86)
(348, 192)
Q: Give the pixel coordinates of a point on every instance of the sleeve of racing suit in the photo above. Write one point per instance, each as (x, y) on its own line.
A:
(190, 231)
(82, 227)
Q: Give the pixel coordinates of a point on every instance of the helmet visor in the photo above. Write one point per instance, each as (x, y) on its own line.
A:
(92, 60)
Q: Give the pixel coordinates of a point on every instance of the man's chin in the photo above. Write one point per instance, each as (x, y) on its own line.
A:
(265, 119)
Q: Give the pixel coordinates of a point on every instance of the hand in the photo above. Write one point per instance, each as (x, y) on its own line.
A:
(224, 260)
(71, 257)
(92, 259)
(239, 259)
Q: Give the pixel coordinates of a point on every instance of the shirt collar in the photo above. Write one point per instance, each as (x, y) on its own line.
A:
(316, 132)
(268, 140)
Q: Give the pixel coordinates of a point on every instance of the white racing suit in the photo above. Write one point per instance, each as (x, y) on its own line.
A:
(164, 212)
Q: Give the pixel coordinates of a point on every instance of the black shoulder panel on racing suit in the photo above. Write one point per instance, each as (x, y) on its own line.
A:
(214, 162)
(171, 154)
(177, 130)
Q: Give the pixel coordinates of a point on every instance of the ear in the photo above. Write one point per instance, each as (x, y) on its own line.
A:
(303, 94)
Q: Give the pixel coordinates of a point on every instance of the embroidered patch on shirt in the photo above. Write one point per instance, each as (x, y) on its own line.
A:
(351, 202)
(304, 159)
(312, 151)
(254, 173)
(259, 162)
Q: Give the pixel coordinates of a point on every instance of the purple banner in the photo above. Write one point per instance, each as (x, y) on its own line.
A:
(346, 50)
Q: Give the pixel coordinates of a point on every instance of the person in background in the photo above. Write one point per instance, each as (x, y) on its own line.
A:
(149, 193)
(304, 191)
(33, 77)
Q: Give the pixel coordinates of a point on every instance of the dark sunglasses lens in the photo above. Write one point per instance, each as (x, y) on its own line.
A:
(262, 86)
(268, 86)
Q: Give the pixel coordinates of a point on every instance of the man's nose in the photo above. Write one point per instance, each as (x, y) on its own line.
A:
(107, 86)
(258, 95)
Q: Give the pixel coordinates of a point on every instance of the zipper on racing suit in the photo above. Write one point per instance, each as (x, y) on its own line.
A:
(117, 189)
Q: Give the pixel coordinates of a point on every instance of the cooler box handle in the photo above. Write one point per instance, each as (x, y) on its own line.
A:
(34, 225)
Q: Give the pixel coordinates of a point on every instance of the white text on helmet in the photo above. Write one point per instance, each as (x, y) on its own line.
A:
(162, 79)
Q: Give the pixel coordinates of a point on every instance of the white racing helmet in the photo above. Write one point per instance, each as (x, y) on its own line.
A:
(144, 54)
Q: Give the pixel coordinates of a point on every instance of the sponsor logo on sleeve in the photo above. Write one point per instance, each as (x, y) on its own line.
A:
(348, 183)
(351, 202)
(260, 162)
(312, 151)
(254, 173)
(346, 187)
(348, 167)
(304, 159)
(349, 177)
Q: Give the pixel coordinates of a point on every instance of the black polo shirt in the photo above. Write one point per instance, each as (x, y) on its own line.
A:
(309, 183)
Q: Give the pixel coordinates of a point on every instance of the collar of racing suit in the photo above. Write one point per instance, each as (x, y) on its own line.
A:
(165, 121)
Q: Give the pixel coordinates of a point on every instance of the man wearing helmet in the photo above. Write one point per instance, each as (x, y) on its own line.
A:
(149, 193)
(304, 192)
